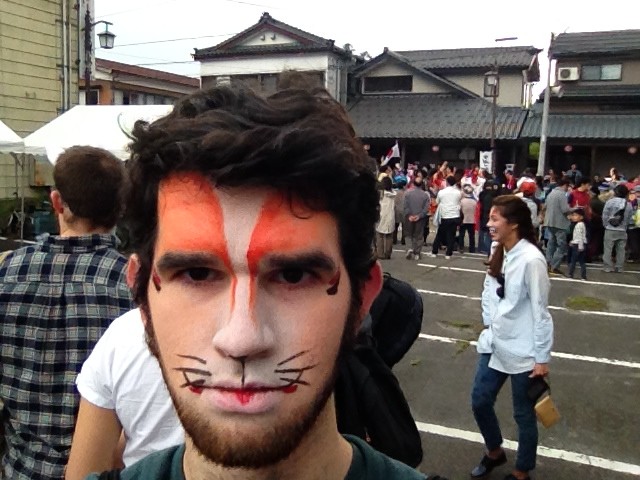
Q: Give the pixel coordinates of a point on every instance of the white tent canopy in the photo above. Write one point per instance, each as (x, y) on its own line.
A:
(9, 140)
(101, 126)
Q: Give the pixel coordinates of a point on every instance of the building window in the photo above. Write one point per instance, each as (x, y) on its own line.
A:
(94, 97)
(595, 73)
(396, 83)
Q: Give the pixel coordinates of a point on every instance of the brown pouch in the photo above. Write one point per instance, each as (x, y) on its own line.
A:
(547, 412)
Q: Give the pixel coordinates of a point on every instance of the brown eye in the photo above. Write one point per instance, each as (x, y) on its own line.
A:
(200, 274)
(292, 276)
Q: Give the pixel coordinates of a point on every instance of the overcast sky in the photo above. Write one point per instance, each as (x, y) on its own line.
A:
(367, 25)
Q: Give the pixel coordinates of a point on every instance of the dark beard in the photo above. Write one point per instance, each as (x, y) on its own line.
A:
(224, 448)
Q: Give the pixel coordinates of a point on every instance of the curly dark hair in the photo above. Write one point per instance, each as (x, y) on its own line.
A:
(299, 142)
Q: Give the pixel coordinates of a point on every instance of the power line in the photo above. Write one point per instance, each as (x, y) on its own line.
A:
(137, 56)
(172, 40)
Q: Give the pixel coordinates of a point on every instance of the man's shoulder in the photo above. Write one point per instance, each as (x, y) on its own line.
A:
(369, 464)
(163, 465)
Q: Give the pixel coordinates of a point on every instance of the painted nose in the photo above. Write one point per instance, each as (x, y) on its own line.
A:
(248, 332)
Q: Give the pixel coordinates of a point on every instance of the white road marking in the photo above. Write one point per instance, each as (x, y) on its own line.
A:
(482, 256)
(552, 277)
(565, 455)
(590, 266)
(566, 356)
(551, 307)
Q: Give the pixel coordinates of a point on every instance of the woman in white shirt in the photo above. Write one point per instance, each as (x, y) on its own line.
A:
(518, 335)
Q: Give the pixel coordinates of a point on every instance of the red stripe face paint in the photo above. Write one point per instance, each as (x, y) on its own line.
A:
(190, 219)
(334, 283)
(155, 279)
(281, 231)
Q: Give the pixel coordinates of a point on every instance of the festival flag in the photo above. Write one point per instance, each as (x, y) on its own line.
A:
(394, 152)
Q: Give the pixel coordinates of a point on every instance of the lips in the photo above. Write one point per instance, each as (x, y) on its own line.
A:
(247, 400)
(245, 395)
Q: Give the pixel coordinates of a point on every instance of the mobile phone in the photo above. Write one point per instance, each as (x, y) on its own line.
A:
(537, 387)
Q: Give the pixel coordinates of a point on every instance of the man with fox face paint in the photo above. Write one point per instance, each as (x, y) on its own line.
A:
(252, 220)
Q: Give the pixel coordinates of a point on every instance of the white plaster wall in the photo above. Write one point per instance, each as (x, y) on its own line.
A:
(270, 38)
(332, 66)
(510, 87)
(421, 83)
(264, 64)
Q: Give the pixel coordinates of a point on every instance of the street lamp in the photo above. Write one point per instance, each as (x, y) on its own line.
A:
(106, 40)
(492, 90)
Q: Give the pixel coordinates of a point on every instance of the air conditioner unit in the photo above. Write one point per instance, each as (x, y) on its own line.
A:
(568, 74)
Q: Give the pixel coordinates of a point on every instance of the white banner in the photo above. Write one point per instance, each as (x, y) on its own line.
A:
(486, 160)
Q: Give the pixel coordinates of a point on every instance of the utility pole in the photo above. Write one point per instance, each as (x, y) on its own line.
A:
(88, 47)
(542, 156)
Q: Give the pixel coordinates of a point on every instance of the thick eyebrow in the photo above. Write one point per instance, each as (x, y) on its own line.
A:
(176, 260)
(303, 261)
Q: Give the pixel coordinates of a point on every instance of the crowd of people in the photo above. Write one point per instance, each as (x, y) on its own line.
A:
(576, 219)
(213, 350)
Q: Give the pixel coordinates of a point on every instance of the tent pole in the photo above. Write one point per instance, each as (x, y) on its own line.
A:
(20, 189)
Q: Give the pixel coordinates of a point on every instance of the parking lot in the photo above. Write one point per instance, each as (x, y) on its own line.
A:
(595, 372)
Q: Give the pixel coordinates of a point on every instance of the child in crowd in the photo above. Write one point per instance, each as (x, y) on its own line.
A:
(578, 243)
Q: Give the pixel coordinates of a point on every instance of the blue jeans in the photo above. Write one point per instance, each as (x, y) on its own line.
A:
(484, 241)
(557, 246)
(577, 256)
(486, 387)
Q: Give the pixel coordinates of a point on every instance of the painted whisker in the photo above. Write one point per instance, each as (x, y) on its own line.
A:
(293, 381)
(196, 371)
(295, 370)
(293, 357)
(192, 357)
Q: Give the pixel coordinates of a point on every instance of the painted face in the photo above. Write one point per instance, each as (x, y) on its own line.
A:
(248, 302)
(499, 229)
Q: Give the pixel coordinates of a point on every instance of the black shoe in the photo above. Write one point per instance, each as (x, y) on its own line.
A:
(487, 464)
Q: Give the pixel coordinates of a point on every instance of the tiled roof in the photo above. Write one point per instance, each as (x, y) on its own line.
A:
(584, 126)
(305, 41)
(589, 43)
(147, 73)
(599, 90)
(433, 116)
(471, 57)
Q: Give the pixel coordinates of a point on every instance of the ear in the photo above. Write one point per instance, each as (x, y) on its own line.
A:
(133, 266)
(371, 288)
(56, 202)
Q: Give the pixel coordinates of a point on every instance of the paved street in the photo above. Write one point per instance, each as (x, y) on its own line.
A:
(595, 372)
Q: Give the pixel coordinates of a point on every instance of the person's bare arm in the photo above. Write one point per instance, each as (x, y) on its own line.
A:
(95, 442)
